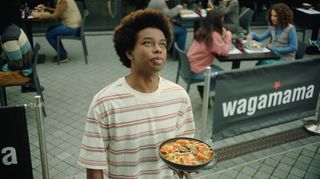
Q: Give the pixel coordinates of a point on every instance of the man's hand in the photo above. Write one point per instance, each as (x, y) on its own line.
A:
(182, 174)
(41, 7)
(94, 174)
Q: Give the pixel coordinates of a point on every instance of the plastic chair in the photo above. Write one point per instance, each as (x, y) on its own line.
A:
(79, 36)
(301, 50)
(245, 19)
(184, 69)
(34, 79)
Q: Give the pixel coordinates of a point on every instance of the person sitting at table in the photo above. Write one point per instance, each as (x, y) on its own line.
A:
(230, 11)
(16, 51)
(180, 33)
(282, 34)
(69, 15)
(211, 39)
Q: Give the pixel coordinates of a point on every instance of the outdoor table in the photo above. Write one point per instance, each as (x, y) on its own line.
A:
(192, 17)
(236, 56)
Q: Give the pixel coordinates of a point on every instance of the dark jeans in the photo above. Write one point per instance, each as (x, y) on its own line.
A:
(57, 30)
(180, 36)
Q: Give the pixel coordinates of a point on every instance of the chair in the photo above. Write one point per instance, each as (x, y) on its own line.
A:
(245, 19)
(184, 69)
(301, 50)
(79, 36)
(302, 30)
(83, 3)
(34, 78)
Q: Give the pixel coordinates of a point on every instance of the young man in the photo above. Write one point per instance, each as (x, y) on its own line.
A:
(128, 119)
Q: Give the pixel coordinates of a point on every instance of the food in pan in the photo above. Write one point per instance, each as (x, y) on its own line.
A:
(186, 152)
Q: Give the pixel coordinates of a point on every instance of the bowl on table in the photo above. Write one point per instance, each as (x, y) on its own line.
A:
(186, 154)
(306, 5)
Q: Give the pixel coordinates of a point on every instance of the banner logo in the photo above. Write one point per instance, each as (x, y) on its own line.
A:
(250, 105)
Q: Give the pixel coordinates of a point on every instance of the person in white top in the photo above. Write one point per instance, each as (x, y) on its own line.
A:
(69, 17)
(130, 118)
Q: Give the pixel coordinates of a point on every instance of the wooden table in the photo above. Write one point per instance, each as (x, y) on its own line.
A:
(244, 56)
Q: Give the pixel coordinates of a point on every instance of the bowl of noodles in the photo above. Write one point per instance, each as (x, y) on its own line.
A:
(186, 154)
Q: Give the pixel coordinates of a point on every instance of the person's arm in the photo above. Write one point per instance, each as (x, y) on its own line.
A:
(59, 10)
(162, 6)
(293, 43)
(42, 8)
(255, 36)
(221, 44)
(12, 51)
(94, 174)
(231, 8)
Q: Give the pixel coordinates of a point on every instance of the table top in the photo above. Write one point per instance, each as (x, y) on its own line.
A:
(248, 55)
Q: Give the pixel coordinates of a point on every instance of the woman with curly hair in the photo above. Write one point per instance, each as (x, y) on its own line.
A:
(282, 34)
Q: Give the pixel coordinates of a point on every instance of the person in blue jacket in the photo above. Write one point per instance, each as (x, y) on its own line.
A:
(282, 34)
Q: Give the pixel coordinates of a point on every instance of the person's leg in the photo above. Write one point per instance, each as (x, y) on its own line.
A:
(56, 31)
(180, 35)
(214, 70)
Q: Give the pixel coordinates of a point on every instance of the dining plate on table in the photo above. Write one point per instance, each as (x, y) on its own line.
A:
(187, 154)
(254, 45)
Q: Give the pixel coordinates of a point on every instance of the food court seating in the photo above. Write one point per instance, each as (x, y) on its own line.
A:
(245, 19)
(79, 36)
(34, 79)
(184, 69)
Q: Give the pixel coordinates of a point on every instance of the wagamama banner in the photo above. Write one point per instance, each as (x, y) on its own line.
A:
(248, 100)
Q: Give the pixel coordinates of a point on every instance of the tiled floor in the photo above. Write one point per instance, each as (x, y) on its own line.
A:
(69, 89)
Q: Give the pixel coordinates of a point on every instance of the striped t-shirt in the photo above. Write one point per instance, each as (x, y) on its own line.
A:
(124, 129)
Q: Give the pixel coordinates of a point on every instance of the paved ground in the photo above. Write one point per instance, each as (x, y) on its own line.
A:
(69, 89)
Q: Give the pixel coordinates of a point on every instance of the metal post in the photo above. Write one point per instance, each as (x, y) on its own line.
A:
(41, 136)
(315, 127)
(206, 91)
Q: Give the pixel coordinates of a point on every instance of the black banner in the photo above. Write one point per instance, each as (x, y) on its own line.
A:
(15, 160)
(252, 99)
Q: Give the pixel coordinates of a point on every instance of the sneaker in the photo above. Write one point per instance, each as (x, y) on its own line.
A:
(29, 88)
(62, 59)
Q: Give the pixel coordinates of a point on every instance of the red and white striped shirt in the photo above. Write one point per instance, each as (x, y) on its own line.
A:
(124, 129)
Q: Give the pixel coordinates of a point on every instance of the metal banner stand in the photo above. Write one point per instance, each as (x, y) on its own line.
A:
(315, 127)
(41, 135)
(206, 91)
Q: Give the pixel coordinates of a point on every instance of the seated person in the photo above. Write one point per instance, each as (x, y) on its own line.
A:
(230, 10)
(211, 39)
(180, 33)
(70, 21)
(282, 34)
(15, 61)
